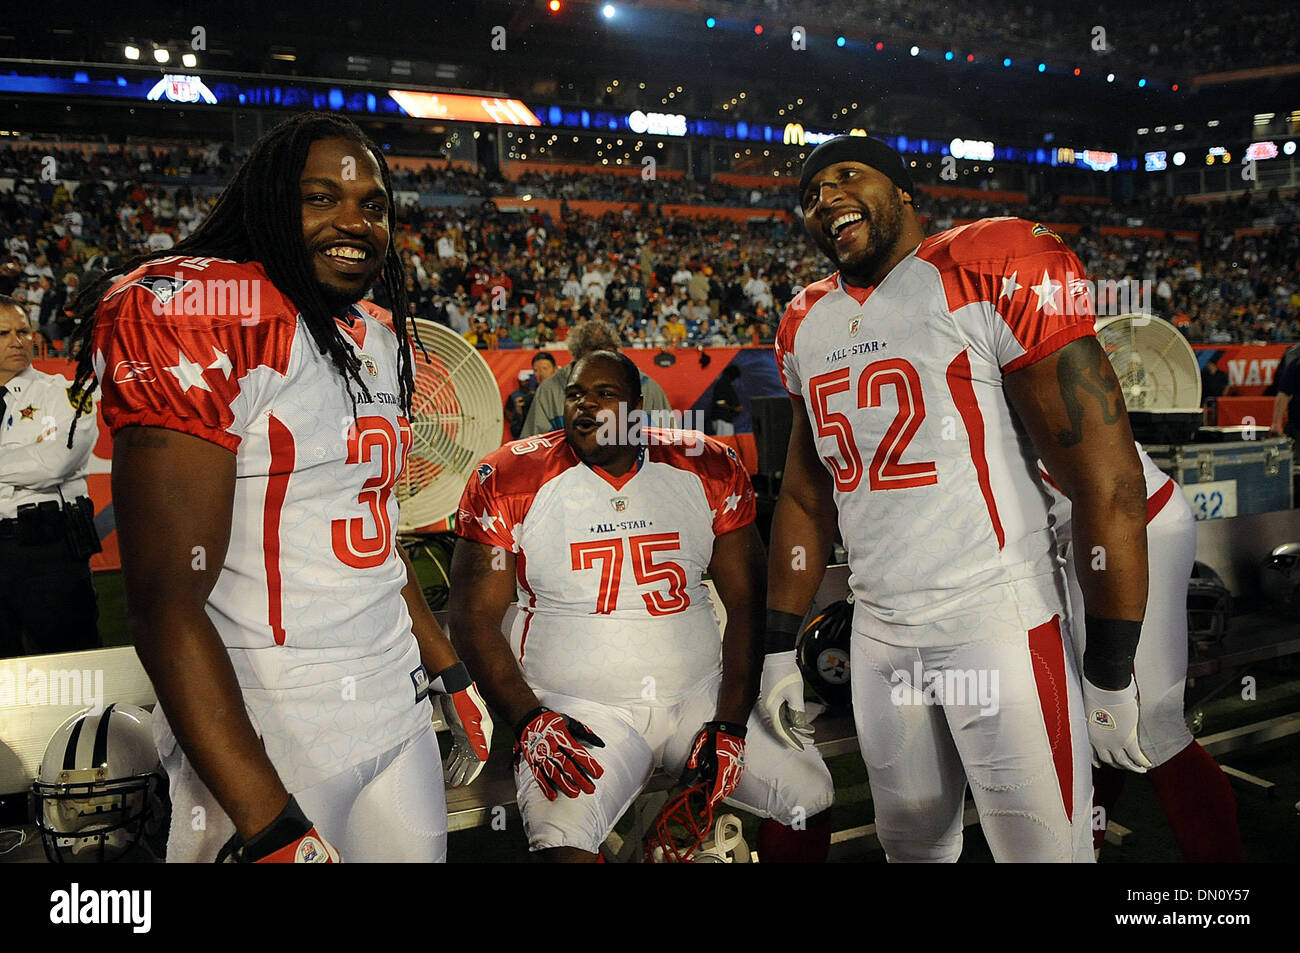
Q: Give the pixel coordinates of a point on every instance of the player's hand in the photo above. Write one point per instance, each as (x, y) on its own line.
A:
(717, 758)
(289, 839)
(1113, 725)
(551, 744)
(781, 703)
(471, 726)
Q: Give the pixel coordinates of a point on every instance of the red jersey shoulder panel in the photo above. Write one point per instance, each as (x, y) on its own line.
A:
(503, 486)
(1025, 272)
(382, 315)
(175, 340)
(788, 328)
(726, 484)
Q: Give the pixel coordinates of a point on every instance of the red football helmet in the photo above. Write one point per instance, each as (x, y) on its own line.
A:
(684, 832)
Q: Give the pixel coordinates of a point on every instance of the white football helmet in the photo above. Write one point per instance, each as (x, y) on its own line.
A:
(100, 788)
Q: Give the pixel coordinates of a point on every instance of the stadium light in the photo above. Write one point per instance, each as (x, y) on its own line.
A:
(948, 56)
(970, 57)
(554, 6)
(1110, 77)
(710, 23)
(1042, 67)
(840, 41)
(915, 50)
(879, 47)
(1180, 158)
(190, 60)
(1141, 83)
(131, 52)
(161, 55)
(1076, 71)
(1174, 87)
(608, 11)
(758, 29)
(1006, 61)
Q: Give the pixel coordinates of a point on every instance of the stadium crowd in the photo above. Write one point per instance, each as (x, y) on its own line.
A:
(506, 279)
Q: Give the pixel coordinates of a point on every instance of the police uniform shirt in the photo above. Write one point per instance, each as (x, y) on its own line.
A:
(35, 462)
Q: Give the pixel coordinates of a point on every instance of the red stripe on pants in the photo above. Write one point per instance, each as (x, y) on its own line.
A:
(1047, 652)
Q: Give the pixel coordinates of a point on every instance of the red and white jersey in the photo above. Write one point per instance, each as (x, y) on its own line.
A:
(308, 602)
(609, 569)
(939, 503)
(1160, 487)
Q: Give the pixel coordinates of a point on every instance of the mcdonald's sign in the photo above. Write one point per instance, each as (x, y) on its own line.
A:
(793, 135)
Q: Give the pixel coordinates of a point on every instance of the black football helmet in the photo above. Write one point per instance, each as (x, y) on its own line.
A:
(1279, 576)
(823, 654)
(1209, 607)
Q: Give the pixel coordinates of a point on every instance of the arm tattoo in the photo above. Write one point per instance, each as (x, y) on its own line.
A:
(1080, 376)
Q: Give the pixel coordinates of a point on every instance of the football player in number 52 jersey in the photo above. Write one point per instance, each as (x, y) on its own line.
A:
(603, 539)
(927, 375)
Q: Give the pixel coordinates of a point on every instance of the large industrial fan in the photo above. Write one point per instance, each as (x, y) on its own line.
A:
(1159, 375)
(456, 417)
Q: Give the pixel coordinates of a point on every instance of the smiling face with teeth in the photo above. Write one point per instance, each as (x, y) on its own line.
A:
(344, 218)
(858, 218)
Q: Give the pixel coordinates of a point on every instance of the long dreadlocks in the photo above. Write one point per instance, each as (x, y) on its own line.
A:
(259, 218)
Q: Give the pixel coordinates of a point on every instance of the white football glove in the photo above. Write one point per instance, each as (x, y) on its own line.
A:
(1113, 726)
(780, 701)
(467, 716)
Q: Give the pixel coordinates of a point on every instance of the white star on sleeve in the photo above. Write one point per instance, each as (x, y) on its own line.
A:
(1047, 291)
(221, 363)
(487, 521)
(189, 373)
(732, 502)
(1009, 286)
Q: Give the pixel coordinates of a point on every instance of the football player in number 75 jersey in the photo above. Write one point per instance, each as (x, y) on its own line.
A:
(603, 535)
(927, 375)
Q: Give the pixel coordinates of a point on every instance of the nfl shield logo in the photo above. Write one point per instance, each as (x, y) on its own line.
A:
(854, 325)
(619, 503)
(369, 364)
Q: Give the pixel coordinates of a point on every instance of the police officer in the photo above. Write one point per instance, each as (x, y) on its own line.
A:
(47, 530)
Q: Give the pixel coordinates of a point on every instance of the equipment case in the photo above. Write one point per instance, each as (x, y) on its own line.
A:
(1233, 478)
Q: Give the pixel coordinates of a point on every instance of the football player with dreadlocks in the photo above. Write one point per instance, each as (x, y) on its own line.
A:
(261, 415)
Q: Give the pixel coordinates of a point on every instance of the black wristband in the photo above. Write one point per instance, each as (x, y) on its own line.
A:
(523, 722)
(288, 826)
(1109, 651)
(452, 679)
(782, 631)
(726, 727)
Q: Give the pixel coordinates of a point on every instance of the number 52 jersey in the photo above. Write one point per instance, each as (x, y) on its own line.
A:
(936, 488)
(612, 606)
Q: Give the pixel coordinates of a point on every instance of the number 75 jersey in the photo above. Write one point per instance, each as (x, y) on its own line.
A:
(939, 503)
(608, 569)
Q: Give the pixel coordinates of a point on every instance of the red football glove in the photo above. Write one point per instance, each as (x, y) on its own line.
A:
(552, 746)
(310, 848)
(467, 717)
(717, 758)
(289, 839)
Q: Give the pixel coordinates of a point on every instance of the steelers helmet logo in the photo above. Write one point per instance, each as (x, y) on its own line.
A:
(833, 665)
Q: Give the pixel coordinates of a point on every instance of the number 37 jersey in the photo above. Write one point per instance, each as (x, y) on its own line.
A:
(308, 601)
(939, 503)
(608, 569)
